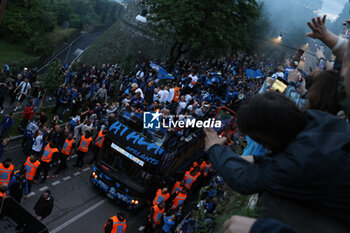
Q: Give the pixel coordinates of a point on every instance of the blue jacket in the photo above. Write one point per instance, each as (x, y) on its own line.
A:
(168, 224)
(315, 167)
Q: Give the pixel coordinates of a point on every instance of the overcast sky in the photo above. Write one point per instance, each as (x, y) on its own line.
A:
(331, 8)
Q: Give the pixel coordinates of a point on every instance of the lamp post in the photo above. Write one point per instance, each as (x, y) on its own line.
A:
(2, 8)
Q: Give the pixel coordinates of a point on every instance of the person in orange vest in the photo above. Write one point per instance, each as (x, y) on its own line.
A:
(50, 151)
(3, 191)
(180, 198)
(162, 195)
(155, 217)
(177, 94)
(6, 171)
(66, 151)
(31, 165)
(178, 186)
(116, 224)
(190, 177)
(206, 167)
(83, 149)
(98, 143)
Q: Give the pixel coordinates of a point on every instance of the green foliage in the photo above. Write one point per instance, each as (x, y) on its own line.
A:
(232, 204)
(51, 80)
(126, 63)
(25, 21)
(204, 27)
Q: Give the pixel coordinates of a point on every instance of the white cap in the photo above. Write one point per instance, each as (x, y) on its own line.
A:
(25, 68)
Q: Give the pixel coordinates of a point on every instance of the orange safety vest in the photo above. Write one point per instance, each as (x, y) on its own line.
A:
(2, 195)
(31, 168)
(177, 188)
(177, 94)
(189, 180)
(179, 200)
(118, 226)
(5, 173)
(84, 143)
(48, 153)
(160, 197)
(100, 139)
(157, 214)
(67, 146)
(205, 168)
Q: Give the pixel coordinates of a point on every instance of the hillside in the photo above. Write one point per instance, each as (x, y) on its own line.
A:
(122, 41)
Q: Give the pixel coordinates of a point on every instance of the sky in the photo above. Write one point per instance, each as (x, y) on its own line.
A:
(331, 8)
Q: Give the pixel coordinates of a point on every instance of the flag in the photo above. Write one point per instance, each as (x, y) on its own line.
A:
(162, 73)
(233, 70)
(253, 73)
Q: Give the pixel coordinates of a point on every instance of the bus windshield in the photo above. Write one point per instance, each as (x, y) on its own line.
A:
(131, 170)
(134, 120)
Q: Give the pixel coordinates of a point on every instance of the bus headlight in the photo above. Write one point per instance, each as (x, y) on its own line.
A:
(135, 202)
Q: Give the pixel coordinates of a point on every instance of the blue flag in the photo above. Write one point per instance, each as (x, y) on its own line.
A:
(233, 70)
(162, 73)
(254, 73)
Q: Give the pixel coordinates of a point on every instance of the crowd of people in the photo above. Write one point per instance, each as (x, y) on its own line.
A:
(291, 115)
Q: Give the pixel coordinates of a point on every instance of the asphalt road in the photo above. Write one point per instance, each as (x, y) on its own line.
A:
(74, 49)
(79, 206)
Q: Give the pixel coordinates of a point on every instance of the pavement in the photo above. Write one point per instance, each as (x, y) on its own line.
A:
(79, 207)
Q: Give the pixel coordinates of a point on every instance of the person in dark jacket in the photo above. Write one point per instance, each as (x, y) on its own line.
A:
(44, 205)
(309, 159)
(240, 224)
(18, 185)
(6, 124)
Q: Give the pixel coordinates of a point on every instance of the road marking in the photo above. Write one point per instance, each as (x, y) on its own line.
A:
(66, 178)
(31, 194)
(77, 173)
(59, 228)
(43, 188)
(86, 169)
(56, 183)
(141, 228)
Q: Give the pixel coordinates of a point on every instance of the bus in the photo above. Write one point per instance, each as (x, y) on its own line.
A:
(133, 161)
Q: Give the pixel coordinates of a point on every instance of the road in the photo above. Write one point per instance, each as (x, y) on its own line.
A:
(74, 49)
(79, 206)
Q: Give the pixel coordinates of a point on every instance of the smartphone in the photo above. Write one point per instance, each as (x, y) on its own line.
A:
(279, 85)
(322, 64)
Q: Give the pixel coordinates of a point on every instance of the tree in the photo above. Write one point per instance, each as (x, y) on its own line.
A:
(202, 27)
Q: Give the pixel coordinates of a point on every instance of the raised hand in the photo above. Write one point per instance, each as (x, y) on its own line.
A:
(318, 28)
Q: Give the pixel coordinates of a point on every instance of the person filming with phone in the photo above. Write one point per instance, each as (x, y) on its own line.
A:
(309, 159)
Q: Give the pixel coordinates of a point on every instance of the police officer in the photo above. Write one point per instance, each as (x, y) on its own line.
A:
(50, 151)
(66, 151)
(18, 184)
(6, 171)
(98, 143)
(155, 217)
(83, 149)
(31, 165)
(116, 224)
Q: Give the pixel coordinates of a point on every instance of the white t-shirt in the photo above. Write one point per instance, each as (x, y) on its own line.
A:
(24, 87)
(171, 94)
(38, 143)
(140, 74)
(180, 107)
(193, 81)
(163, 96)
(139, 90)
(188, 98)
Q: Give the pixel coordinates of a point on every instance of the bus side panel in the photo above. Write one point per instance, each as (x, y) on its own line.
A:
(185, 159)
